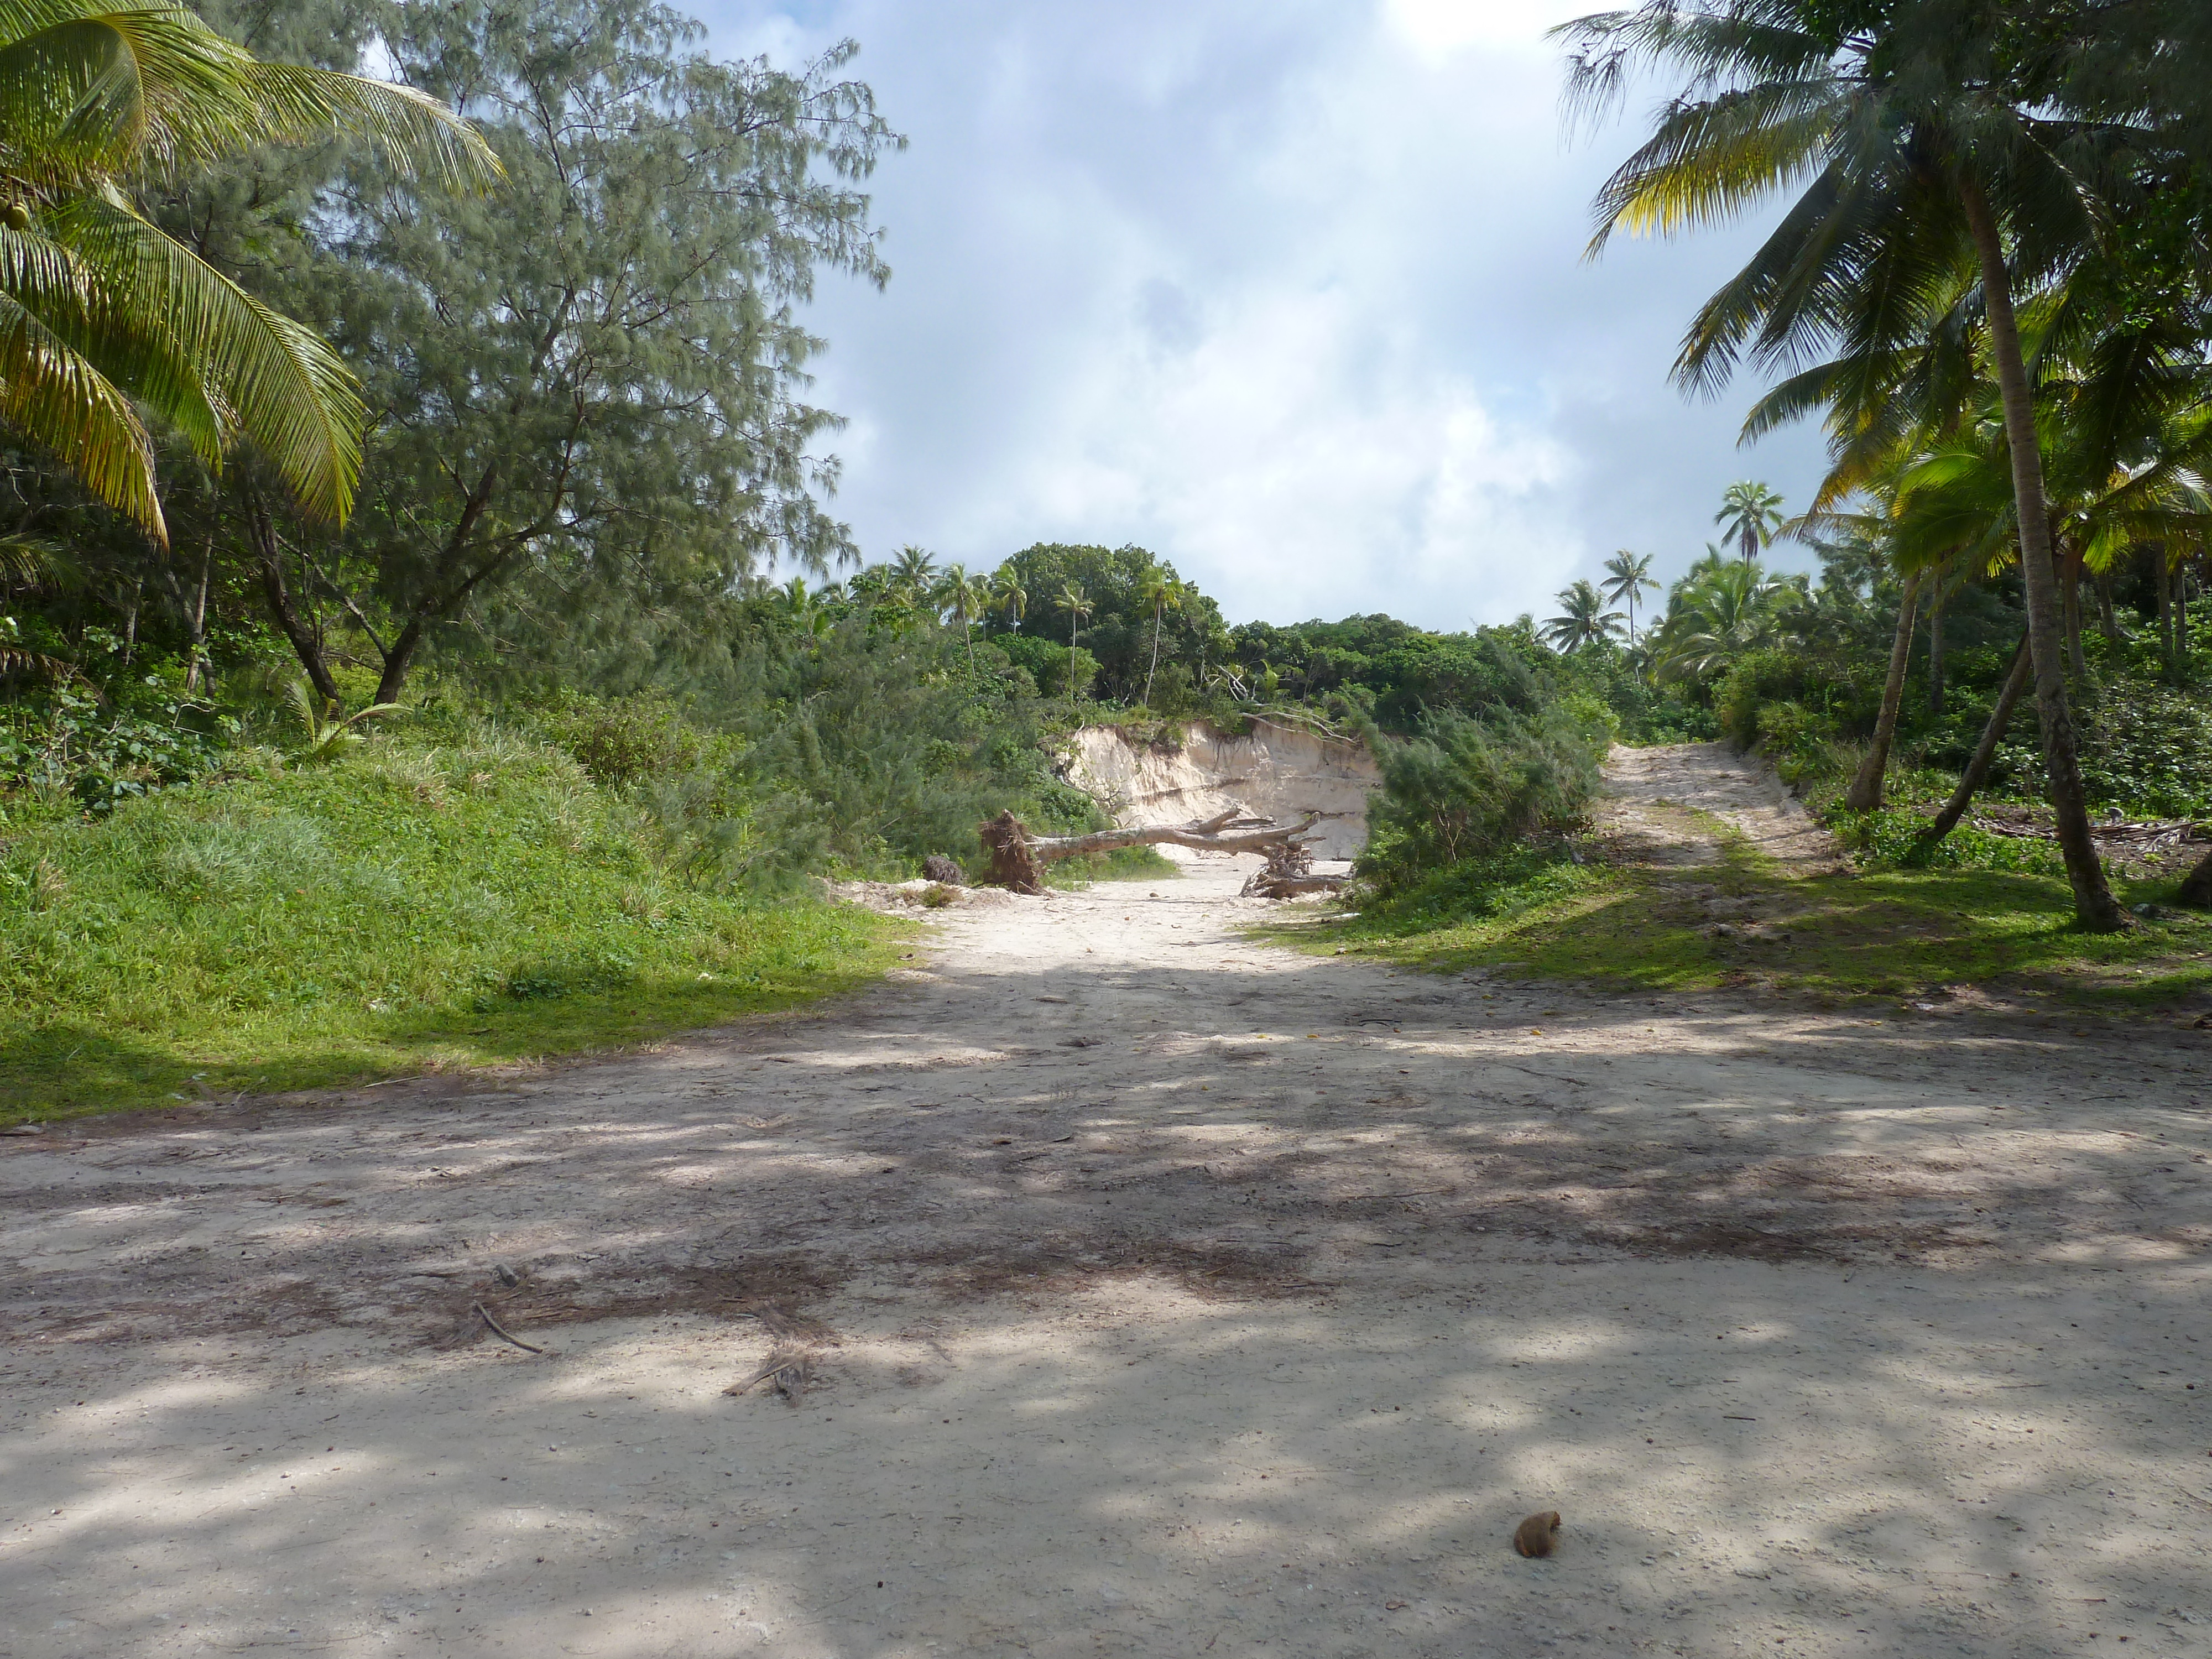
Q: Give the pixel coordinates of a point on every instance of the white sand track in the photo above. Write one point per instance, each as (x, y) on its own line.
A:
(1171, 1295)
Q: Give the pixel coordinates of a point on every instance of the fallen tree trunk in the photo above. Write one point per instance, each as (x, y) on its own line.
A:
(1268, 885)
(1019, 858)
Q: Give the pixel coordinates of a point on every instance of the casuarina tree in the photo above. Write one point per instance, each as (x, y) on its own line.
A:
(595, 378)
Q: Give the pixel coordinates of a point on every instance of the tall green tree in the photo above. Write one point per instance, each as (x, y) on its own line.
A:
(1006, 590)
(915, 569)
(1159, 593)
(964, 598)
(1078, 605)
(1921, 136)
(1582, 619)
(595, 379)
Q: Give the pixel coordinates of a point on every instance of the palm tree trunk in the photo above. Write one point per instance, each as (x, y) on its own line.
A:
(1978, 769)
(1158, 611)
(2094, 905)
(2196, 887)
(2158, 576)
(2181, 620)
(1865, 792)
(2070, 586)
(197, 623)
(1935, 649)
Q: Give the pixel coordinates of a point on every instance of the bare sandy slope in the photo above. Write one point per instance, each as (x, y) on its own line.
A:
(1168, 1295)
(1657, 793)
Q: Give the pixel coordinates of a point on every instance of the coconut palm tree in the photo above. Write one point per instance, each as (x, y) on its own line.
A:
(1078, 605)
(1750, 514)
(1008, 590)
(914, 570)
(1583, 619)
(1923, 140)
(966, 597)
(1627, 575)
(1719, 612)
(105, 320)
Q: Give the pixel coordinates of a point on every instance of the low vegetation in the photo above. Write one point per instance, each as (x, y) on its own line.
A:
(1880, 935)
(412, 907)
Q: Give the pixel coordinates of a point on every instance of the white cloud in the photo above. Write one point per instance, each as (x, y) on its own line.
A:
(1297, 459)
(1439, 28)
(1290, 293)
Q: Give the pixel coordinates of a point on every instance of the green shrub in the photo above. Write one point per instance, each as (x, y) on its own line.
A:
(1889, 839)
(1461, 788)
(1760, 680)
(2145, 748)
(1174, 694)
(1047, 663)
(1496, 886)
(625, 739)
(1802, 743)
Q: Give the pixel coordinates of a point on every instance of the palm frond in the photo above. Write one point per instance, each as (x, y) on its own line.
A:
(34, 562)
(1711, 160)
(203, 339)
(54, 395)
(88, 91)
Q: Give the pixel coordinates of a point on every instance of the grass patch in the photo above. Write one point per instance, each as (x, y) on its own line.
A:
(406, 910)
(1743, 923)
(1123, 864)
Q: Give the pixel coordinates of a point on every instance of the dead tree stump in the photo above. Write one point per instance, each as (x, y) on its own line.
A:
(1014, 864)
(1289, 873)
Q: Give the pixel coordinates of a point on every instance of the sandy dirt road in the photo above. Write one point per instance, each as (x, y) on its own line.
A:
(1166, 1294)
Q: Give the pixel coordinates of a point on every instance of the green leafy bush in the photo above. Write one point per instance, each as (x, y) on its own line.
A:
(69, 743)
(1495, 886)
(1889, 839)
(2146, 749)
(622, 741)
(1461, 788)
(1801, 742)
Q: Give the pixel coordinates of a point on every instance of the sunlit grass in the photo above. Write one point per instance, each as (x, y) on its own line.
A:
(406, 910)
(1742, 921)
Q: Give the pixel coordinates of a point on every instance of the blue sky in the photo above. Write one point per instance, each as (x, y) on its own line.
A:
(1290, 293)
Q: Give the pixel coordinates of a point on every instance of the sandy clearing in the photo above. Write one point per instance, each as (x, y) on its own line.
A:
(1170, 1294)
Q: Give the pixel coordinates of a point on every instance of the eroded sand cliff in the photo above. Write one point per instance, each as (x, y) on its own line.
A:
(1277, 771)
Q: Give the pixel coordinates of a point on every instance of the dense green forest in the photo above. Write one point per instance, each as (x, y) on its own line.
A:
(340, 515)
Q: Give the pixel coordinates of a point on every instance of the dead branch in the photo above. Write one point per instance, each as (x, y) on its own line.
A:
(788, 1372)
(1264, 885)
(1289, 872)
(2166, 832)
(503, 1333)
